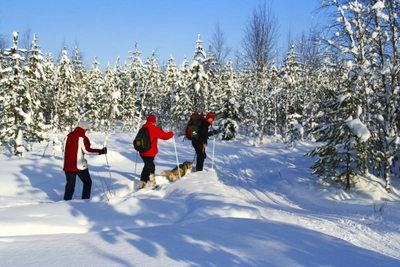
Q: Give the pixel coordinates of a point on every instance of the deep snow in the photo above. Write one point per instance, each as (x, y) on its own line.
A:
(259, 206)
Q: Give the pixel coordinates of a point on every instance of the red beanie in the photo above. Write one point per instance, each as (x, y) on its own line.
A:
(210, 115)
(152, 119)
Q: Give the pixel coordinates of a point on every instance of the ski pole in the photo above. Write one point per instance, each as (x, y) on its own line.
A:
(177, 161)
(136, 161)
(212, 160)
(109, 172)
(108, 165)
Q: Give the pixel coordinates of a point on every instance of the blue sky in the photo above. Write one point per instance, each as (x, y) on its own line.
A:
(109, 28)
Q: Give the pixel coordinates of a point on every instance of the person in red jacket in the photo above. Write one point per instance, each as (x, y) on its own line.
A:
(148, 172)
(76, 145)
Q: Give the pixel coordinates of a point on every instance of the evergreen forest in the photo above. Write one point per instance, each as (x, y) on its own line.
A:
(338, 86)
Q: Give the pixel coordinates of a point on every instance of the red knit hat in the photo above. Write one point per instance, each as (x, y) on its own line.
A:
(210, 115)
(152, 119)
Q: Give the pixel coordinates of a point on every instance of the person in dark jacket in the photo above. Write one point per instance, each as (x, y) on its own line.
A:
(149, 168)
(201, 143)
(76, 145)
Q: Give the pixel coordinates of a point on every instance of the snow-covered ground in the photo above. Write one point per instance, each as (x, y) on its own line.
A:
(257, 206)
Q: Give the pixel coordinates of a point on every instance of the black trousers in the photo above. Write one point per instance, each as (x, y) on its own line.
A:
(200, 148)
(84, 175)
(149, 167)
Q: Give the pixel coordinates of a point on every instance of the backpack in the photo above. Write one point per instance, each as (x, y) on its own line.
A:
(193, 126)
(142, 142)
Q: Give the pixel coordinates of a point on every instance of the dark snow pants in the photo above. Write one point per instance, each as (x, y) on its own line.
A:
(148, 168)
(71, 180)
(200, 148)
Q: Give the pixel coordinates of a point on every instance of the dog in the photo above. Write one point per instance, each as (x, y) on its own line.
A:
(184, 168)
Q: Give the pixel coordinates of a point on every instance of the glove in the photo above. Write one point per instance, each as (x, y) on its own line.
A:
(103, 151)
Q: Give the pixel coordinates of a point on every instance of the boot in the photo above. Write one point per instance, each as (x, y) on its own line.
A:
(142, 184)
(152, 179)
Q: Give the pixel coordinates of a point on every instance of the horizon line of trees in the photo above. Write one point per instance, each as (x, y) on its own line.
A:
(339, 87)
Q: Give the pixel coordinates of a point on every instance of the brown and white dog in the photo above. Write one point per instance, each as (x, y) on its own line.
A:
(184, 168)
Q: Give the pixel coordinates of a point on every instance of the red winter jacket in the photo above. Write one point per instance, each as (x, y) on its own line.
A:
(76, 145)
(155, 132)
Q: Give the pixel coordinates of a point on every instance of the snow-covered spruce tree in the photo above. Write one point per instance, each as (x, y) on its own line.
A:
(182, 107)
(50, 101)
(281, 107)
(92, 96)
(81, 80)
(121, 82)
(35, 76)
(212, 68)
(309, 49)
(152, 91)
(254, 86)
(17, 101)
(78, 66)
(108, 101)
(133, 101)
(274, 88)
(50, 92)
(68, 95)
(229, 113)
(248, 100)
(170, 83)
(10, 82)
(343, 154)
(261, 105)
(292, 95)
(198, 83)
(329, 82)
